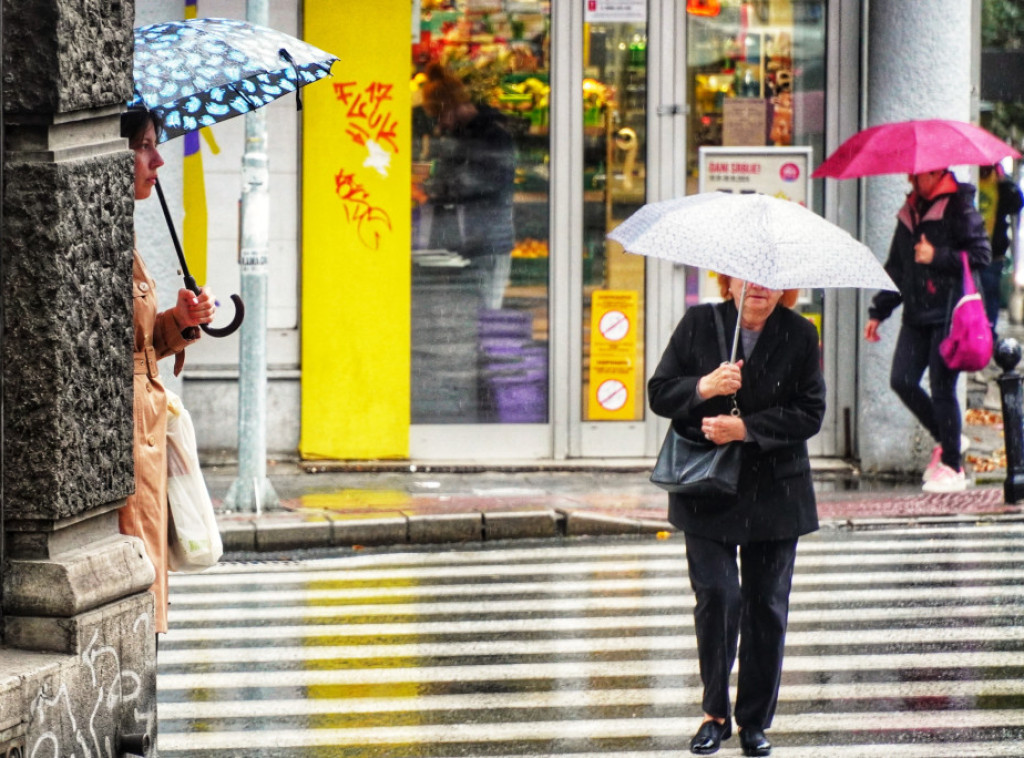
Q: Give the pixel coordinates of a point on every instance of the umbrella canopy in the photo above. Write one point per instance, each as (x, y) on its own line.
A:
(775, 243)
(202, 71)
(914, 147)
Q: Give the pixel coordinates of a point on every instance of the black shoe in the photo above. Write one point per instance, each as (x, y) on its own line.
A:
(754, 742)
(709, 737)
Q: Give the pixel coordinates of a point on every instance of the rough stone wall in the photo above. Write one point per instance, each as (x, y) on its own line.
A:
(68, 335)
(67, 55)
(77, 663)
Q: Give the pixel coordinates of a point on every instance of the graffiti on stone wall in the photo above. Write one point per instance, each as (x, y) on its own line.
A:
(106, 695)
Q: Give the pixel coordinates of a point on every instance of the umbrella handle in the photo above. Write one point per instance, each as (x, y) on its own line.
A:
(190, 281)
(236, 321)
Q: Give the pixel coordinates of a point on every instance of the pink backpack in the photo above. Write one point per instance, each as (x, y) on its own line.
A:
(969, 344)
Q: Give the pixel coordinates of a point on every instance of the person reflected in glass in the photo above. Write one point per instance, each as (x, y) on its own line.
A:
(157, 334)
(999, 198)
(473, 177)
(937, 222)
(779, 388)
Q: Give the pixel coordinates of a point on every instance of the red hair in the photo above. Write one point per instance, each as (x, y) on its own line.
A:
(442, 92)
(788, 299)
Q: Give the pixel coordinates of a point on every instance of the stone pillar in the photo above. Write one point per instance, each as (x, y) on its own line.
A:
(78, 654)
(919, 67)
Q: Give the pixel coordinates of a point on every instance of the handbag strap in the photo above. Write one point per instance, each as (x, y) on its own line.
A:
(969, 288)
(720, 331)
(723, 348)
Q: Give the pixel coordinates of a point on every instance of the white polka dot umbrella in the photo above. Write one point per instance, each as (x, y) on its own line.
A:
(775, 243)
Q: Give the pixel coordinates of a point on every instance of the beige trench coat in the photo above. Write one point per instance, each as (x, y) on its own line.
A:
(144, 515)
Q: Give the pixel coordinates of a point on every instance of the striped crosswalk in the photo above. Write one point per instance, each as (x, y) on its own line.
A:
(903, 642)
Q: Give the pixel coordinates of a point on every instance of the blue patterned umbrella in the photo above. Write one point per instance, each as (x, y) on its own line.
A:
(202, 71)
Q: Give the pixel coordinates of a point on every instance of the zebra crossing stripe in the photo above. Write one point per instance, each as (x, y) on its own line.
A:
(501, 672)
(369, 577)
(895, 614)
(574, 646)
(523, 701)
(570, 587)
(896, 750)
(582, 604)
(857, 546)
(589, 729)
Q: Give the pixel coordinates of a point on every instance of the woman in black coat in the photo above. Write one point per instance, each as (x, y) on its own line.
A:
(780, 392)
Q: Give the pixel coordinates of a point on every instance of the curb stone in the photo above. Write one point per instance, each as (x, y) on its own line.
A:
(261, 535)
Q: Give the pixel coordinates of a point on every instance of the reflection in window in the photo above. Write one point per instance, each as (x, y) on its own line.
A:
(756, 78)
(480, 213)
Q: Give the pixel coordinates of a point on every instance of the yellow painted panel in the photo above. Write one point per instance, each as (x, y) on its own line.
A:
(356, 234)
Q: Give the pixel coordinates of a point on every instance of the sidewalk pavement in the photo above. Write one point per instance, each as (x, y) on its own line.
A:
(355, 505)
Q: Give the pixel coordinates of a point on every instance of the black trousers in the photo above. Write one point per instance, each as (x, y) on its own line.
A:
(752, 613)
(917, 349)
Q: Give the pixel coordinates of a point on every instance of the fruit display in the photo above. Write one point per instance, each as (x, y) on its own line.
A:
(530, 248)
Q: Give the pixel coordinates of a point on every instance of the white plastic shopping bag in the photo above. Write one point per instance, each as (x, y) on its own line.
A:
(193, 535)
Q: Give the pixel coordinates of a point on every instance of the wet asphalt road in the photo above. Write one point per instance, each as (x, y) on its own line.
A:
(903, 641)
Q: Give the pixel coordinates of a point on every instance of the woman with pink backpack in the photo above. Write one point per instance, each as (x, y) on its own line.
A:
(937, 223)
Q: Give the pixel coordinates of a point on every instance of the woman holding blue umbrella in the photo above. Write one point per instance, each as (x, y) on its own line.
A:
(157, 334)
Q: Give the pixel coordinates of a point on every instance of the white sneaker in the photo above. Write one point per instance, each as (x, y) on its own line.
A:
(933, 464)
(945, 479)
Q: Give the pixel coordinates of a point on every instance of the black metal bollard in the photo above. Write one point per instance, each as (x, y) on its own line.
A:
(1008, 355)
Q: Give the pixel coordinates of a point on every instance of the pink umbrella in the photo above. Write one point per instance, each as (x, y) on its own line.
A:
(913, 147)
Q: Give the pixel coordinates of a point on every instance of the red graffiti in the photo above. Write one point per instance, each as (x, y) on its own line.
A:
(369, 114)
(370, 220)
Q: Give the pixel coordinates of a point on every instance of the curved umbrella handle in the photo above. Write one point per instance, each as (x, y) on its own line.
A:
(236, 322)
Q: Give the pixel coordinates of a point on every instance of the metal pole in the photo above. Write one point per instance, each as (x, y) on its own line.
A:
(252, 491)
(1008, 355)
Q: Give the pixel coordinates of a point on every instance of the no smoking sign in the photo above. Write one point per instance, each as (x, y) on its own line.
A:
(614, 326)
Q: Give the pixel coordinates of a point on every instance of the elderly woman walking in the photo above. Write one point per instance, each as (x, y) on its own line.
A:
(778, 386)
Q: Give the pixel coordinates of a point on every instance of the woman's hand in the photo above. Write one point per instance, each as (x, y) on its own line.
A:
(924, 251)
(724, 380)
(871, 330)
(723, 429)
(192, 309)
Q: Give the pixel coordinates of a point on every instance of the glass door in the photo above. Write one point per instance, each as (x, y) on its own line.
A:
(480, 206)
(613, 294)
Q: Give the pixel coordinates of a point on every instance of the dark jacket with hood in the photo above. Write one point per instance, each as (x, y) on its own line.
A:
(952, 224)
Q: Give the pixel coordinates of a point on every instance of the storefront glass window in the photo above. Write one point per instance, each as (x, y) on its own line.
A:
(480, 212)
(614, 159)
(756, 78)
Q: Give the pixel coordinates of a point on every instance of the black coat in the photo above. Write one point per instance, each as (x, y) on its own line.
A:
(474, 171)
(928, 292)
(782, 402)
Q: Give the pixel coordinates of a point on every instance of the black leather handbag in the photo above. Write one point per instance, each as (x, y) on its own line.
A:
(698, 467)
